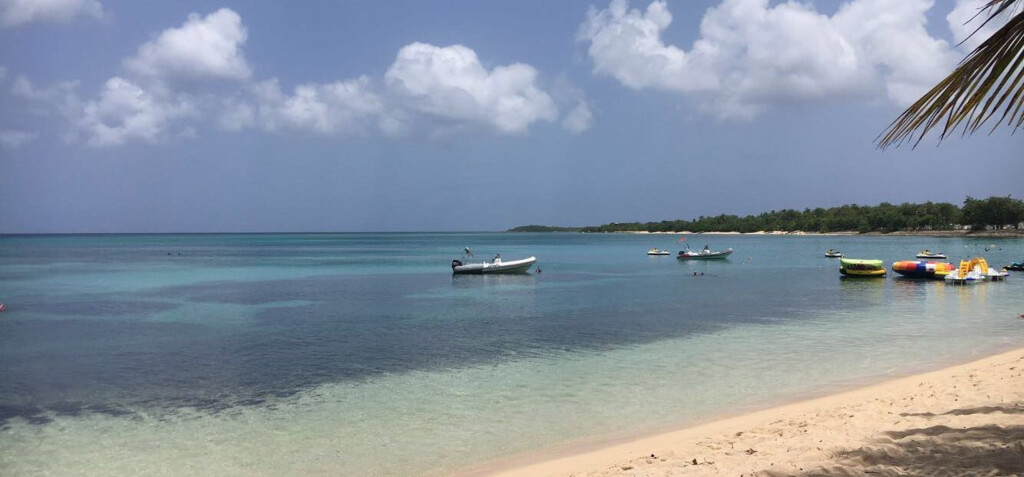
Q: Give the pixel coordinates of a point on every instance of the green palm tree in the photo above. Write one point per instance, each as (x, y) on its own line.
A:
(989, 80)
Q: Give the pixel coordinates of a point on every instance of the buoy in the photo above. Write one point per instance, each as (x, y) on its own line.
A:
(1, 307)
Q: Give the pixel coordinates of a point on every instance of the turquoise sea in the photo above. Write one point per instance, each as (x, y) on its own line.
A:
(360, 354)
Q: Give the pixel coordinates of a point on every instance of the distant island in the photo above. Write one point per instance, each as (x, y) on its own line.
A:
(544, 228)
(992, 214)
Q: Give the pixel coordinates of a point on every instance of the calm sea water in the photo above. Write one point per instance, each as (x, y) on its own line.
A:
(360, 354)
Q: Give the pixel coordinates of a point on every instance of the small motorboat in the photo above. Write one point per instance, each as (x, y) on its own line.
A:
(705, 254)
(1016, 266)
(833, 253)
(856, 267)
(494, 266)
(658, 251)
(930, 254)
(969, 271)
(923, 269)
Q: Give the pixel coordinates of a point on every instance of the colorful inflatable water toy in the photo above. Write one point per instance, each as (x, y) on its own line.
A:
(923, 269)
(855, 267)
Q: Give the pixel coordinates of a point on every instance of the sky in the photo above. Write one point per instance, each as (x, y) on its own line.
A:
(256, 116)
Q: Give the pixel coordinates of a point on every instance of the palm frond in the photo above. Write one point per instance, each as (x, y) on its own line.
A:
(990, 79)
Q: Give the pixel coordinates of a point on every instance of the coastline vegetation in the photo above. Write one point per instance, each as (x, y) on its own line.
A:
(976, 214)
(543, 228)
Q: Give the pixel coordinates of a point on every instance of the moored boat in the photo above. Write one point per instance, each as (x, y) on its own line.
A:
(922, 269)
(1016, 266)
(930, 254)
(833, 253)
(494, 266)
(658, 251)
(855, 267)
(705, 254)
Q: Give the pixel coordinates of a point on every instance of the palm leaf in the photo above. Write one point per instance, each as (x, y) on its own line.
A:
(989, 79)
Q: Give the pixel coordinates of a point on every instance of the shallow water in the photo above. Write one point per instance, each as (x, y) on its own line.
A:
(360, 354)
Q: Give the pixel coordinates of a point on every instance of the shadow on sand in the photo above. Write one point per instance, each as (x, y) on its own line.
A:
(987, 450)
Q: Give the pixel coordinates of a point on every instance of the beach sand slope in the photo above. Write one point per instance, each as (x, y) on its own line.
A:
(966, 420)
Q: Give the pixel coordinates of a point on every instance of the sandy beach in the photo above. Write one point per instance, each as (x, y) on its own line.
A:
(962, 420)
(1005, 233)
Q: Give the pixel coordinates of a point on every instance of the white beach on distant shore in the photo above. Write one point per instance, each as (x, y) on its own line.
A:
(963, 420)
(759, 232)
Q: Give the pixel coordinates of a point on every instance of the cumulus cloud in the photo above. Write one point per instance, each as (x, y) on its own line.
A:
(451, 83)
(124, 111)
(445, 87)
(750, 54)
(12, 139)
(338, 107)
(626, 45)
(144, 105)
(20, 12)
(163, 92)
(203, 47)
(894, 45)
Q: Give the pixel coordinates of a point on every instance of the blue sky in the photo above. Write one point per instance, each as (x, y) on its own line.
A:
(195, 116)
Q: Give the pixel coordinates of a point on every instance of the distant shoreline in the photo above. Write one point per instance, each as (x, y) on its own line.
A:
(986, 217)
(903, 233)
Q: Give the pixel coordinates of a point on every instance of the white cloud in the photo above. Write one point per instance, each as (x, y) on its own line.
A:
(750, 55)
(159, 95)
(20, 12)
(12, 139)
(626, 44)
(451, 83)
(424, 84)
(144, 107)
(338, 107)
(203, 47)
(125, 111)
(965, 19)
(893, 43)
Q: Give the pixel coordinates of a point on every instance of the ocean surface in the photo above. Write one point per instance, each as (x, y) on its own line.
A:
(361, 354)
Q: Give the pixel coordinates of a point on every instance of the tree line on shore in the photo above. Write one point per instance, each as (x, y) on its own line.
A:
(977, 214)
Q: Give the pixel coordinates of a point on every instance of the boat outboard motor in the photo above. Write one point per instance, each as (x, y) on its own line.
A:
(456, 263)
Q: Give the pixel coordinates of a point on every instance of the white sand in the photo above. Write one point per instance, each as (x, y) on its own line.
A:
(964, 420)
